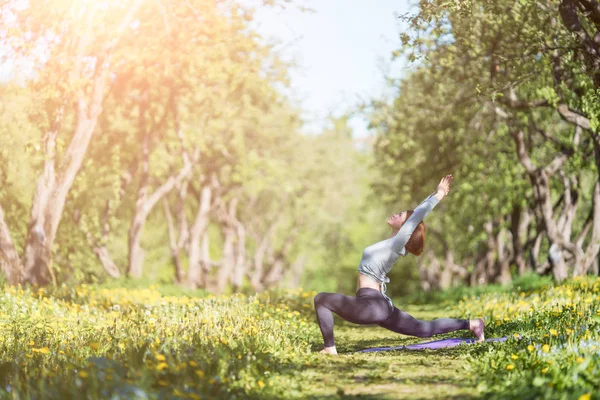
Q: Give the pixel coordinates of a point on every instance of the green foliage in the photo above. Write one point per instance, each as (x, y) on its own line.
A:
(182, 77)
(481, 67)
(555, 349)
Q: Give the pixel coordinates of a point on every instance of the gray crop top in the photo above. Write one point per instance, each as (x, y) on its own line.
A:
(378, 259)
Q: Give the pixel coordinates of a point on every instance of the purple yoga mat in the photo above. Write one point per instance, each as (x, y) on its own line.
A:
(437, 344)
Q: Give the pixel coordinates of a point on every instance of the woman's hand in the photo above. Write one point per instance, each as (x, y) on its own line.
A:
(444, 187)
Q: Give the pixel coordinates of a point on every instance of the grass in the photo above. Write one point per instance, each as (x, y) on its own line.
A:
(142, 343)
(406, 374)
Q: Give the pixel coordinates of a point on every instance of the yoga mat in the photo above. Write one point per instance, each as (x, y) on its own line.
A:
(437, 344)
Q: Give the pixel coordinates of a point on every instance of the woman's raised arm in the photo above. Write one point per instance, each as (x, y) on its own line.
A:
(403, 235)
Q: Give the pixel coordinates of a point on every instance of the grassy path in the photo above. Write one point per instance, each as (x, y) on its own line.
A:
(406, 374)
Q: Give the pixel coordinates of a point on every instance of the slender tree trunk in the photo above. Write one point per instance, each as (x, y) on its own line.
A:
(490, 258)
(10, 264)
(197, 232)
(229, 227)
(590, 258)
(445, 277)
(173, 242)
(143, 209)
(107, 262)
(520, 220)
(591, 253)
(206, 263)
(99, 246)
(504, 257)
(228, 260)
(535, 251)
(240, 267)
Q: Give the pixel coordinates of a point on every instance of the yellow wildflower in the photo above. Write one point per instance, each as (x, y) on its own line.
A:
(545, 348)
(544, 370)
(83, 374)
(530, 347)
(161, 366)
(160, 357)
(586, 396)
(193, 363)
(261, 384)
(43, 350)
(514, 356)
(580, 360)
(510, 367)
(200, 373)
(553, 332)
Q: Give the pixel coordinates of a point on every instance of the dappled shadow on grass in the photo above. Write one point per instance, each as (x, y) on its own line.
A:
(410, 374)
(373, 376)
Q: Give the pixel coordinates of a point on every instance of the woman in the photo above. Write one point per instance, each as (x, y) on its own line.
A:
(371, 305)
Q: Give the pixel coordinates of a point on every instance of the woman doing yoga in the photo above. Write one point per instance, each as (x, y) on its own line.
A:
(371, 305)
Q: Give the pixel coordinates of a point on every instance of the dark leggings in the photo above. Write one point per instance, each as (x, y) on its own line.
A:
(370, 307)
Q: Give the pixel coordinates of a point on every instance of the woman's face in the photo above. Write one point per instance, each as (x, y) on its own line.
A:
(397, 220)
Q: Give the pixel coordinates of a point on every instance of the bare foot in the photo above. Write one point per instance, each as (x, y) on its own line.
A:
(477, 326)
(328, 350)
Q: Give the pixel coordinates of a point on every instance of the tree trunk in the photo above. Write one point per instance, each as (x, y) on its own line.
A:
(205, 263)
(490, 255)
(99, 246)
(445, 277)
(240, 267)
(591, 253)
(520, 220)
(197, 231)
(144, 206)
(540, 179)
(228, 260)
(53, 186)
(107, 262)
(504, 257)
(173, 242)
(136, 254)
(10, 264)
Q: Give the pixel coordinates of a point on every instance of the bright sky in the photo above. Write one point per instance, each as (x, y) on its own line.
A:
(342, 49)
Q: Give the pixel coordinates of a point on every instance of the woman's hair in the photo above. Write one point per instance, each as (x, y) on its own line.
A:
(416, 243)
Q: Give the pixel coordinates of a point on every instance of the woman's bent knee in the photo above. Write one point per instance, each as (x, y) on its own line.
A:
(319, 298)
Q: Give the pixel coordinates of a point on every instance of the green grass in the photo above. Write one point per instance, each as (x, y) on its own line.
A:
(406, 374)
(101, 342)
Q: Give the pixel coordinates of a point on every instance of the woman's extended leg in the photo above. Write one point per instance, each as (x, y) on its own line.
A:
(405, 324)
(371, 309)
